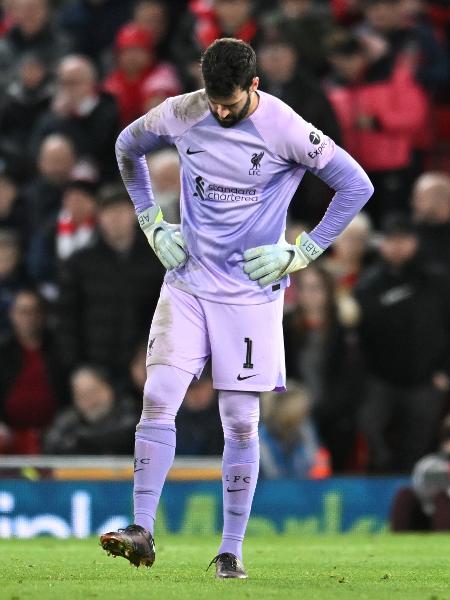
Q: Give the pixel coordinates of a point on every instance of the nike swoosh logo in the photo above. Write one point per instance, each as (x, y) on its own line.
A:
(237, 490)
(240, 378)
(189, 151)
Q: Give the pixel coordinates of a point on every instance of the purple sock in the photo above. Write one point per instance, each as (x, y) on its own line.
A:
(240, 468)
(154, 454)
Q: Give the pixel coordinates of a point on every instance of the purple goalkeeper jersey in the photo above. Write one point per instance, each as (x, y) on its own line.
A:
(236, 186)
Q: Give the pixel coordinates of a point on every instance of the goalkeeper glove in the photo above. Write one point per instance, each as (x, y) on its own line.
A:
(267, 264)
(164, 238)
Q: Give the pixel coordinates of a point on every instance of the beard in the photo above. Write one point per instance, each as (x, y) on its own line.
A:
(233, 119)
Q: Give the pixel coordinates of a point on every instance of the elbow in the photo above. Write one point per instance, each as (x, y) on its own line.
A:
(120, 144)
(364, 185)
(366, 191)
(369, 189)
(361, 189)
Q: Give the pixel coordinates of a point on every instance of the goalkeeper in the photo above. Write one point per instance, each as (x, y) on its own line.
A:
(243, 153)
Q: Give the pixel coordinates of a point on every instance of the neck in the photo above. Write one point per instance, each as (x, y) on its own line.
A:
(120, 245)
(315, 314)
(254, 101)
(350, 263)
(29, 341)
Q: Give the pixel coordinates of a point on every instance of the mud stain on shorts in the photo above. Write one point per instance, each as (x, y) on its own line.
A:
(160, 345)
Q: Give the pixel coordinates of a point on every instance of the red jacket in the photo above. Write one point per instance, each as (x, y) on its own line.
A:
(399, 107)
(128, 94)
(207, 28)
(132, 96)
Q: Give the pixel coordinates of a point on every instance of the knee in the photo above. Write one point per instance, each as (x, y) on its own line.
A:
(160, 402)
(156, 409)
(240, 428)
(153, 395)
(239, 412)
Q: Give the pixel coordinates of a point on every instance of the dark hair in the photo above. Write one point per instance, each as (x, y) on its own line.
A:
(228, 64)
(112, 193)
(88, 187)
(343, 43)
(328, 283)
(97, 371)
(369, 3)
(397, 223)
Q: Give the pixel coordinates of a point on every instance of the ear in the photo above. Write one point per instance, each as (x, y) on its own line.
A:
(254, 85)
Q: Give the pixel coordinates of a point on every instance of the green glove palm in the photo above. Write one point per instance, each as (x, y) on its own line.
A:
(267, 264)
(165, 238)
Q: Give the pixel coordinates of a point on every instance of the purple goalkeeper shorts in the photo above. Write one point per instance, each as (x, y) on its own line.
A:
(245, 342)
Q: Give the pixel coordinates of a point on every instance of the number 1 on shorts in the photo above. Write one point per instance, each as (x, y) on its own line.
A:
(248, 357)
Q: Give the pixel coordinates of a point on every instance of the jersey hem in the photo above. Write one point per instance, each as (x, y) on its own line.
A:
(213, 298)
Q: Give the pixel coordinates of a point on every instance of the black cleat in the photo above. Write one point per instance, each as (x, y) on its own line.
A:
(134, 543)
(228, 566)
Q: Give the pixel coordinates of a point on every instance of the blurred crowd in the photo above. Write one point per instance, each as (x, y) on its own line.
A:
(367, 327)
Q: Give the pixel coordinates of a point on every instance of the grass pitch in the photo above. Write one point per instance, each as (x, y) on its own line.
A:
(343, 567)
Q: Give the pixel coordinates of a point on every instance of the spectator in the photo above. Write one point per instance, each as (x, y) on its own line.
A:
(32, 31)
(155, 16)
(11, 205)
(42, 196)
(346, 12)
(306, 25)
(99, 422)
(27, 97)
(198, 422)
(6, 20)
(139, 81)
(30, 385)
(349, 254)
(284, 76)
(86, 116)
(322, 354)
(108, 291)
(227, 18)
(161, 83)
(431, 212)
(439, 14)
(72, 229)
(12, 275)
(164, 168)
(380, 109)
(205, 22)
(404, 25)
(405, 339)
(403, 28)
(425, 505)
(93, 24)
(288, 440)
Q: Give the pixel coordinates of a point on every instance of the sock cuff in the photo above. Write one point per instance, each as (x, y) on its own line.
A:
(233, 537)
(147, 431)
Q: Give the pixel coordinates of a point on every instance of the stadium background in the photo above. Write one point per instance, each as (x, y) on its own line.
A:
(78, 284)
